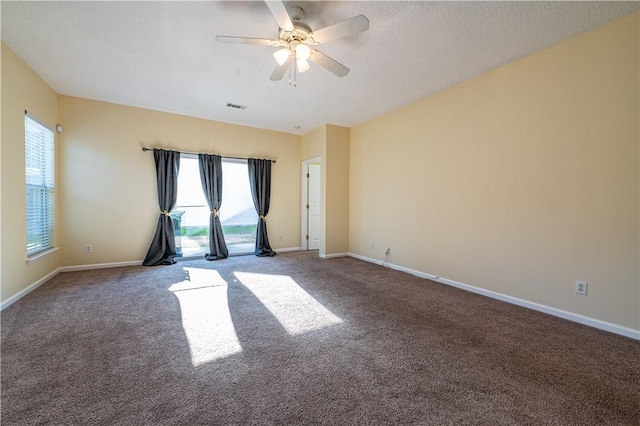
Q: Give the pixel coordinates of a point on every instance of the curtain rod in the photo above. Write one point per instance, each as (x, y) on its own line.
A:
(144, 148)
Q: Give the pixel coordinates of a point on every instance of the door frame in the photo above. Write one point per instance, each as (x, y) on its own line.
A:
(304, 184)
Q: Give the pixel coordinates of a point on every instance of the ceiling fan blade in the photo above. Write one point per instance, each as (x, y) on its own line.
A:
(278, 73)
(330, 64)
(248, 40)
(279, 11)
(354, 25)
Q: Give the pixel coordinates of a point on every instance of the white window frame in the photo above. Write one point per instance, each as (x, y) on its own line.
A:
(40, 187)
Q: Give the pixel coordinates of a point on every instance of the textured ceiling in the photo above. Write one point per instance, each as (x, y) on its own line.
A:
(164, 56)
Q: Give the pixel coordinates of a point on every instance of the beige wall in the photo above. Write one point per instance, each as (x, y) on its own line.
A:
(331, 143)
(314, 143)
(520, 181)
(337, 190)
(22, 90)
(109, 195)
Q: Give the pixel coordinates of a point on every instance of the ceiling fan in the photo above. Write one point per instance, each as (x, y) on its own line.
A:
(296, 40)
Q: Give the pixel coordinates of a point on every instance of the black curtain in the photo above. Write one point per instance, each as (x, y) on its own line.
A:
(211, 177)
(163, 245)
(260, 180)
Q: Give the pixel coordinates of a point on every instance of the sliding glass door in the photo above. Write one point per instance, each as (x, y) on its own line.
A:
(238, 214)
(191, 215)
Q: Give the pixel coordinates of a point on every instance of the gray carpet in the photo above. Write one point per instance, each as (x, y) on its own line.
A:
(300, 340)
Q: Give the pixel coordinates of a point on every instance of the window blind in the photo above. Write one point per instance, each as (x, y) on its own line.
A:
(40, 184)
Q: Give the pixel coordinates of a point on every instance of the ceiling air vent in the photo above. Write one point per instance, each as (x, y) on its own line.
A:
(236, 106)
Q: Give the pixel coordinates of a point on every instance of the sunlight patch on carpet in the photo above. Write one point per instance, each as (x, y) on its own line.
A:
(206, 318)
(296, 310)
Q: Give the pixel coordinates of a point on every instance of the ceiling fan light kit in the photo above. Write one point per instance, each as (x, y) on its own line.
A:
(295, 39)
(303, 51)
(282, 55)
(302, 65)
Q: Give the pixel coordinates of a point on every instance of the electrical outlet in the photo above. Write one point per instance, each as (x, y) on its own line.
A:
(279, 237)
(581, 287)
(88, 248)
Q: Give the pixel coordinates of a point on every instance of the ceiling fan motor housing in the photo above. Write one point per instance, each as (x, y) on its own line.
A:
(296, 13)
(300, 33)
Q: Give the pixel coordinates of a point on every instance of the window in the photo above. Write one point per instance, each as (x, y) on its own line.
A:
(40, 183)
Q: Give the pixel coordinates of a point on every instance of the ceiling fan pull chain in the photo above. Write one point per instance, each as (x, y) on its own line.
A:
(293, 72)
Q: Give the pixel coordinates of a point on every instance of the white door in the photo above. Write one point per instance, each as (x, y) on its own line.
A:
(314, 207)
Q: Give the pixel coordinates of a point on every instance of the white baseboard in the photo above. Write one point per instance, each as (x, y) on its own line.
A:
(19, 295)
(392, 266)
(284, 250)
(581, 319)
(331, 256)
(100, 266)
(592, 322)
